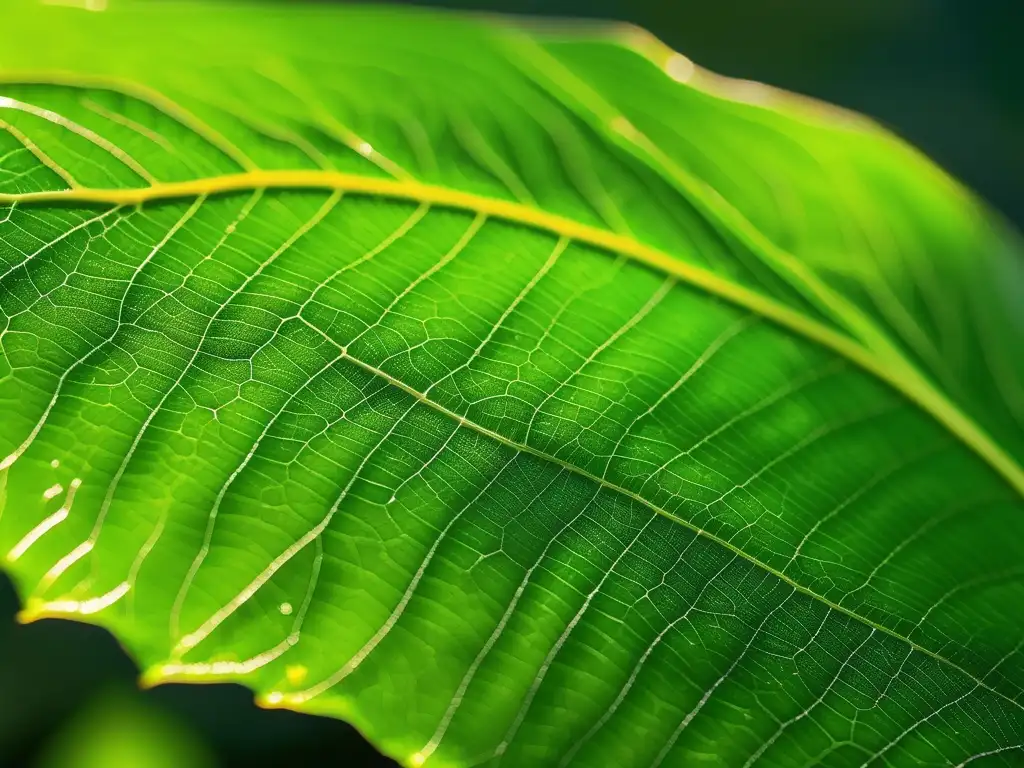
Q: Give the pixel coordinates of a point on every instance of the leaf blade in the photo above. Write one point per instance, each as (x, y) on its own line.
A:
(238, 359)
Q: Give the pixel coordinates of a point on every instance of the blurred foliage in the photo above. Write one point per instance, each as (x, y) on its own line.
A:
(116, 730)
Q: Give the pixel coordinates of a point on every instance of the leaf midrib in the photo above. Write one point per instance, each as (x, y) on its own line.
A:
(916, 389)
(897, 372)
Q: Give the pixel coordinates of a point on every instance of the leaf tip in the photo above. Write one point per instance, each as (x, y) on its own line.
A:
(32, 612)
(151, 677)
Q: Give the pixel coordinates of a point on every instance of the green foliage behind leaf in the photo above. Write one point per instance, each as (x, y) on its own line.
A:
(525, 396)
(115, 730)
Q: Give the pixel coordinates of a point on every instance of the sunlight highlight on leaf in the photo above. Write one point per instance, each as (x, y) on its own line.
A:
(525, 396)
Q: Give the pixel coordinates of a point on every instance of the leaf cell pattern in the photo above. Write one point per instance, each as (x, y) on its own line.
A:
(511, 398)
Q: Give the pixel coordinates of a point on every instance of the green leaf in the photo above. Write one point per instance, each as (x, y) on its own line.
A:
(524, 395)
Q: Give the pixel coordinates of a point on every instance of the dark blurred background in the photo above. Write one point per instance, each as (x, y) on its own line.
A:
(948, 75)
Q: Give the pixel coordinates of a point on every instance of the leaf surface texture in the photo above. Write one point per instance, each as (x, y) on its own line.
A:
(524, 396)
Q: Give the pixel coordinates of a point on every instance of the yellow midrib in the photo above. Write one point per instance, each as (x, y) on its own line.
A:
(897, 372)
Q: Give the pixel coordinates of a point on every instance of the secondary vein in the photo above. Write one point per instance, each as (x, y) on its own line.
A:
(618, 489)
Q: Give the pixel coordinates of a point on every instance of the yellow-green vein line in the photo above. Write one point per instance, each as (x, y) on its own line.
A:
(899, 374)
